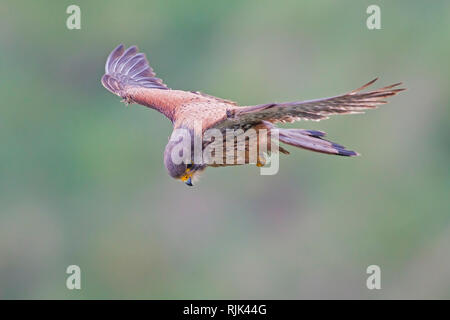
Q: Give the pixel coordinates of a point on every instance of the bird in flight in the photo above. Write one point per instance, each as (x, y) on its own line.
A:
(129, 75)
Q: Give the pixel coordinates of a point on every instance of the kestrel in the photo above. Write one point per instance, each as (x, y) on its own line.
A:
(129, 75)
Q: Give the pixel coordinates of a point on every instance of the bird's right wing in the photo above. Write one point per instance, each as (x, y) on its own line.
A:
(129, 75)
(128, 68)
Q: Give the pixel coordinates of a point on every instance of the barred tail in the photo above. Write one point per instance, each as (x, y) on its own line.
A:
(313, 140)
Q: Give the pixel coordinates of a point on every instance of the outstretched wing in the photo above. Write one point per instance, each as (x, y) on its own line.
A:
(128, 68)
(128, 75)
(353, 102)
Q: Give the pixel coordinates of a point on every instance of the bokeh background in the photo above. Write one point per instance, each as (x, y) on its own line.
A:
(82, 179)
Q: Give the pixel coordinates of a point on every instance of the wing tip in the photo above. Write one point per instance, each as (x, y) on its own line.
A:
(364, 86)
(128, 66)
(341, 151)
(347, 153)
(383, 89)
(115, 53)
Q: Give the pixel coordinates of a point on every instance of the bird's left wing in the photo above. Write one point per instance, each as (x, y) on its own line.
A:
(352, 102)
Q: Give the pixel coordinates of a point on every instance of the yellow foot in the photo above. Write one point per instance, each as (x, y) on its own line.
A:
(261, 162)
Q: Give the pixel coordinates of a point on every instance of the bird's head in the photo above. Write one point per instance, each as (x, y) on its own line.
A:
(184, 171)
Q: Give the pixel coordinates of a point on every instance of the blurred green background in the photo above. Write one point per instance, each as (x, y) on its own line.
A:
(82, 179)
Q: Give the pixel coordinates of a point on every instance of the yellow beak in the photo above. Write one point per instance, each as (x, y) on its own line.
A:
(187, 178)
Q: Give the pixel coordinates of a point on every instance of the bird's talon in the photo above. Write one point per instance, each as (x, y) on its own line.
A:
(127, 101)
(261, 162)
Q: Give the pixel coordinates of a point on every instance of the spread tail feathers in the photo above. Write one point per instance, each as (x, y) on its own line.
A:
(313, 140)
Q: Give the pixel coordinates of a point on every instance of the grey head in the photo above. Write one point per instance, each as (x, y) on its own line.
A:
(179, 165)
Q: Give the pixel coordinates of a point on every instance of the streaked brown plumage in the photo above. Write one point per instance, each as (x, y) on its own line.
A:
(128, 75)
